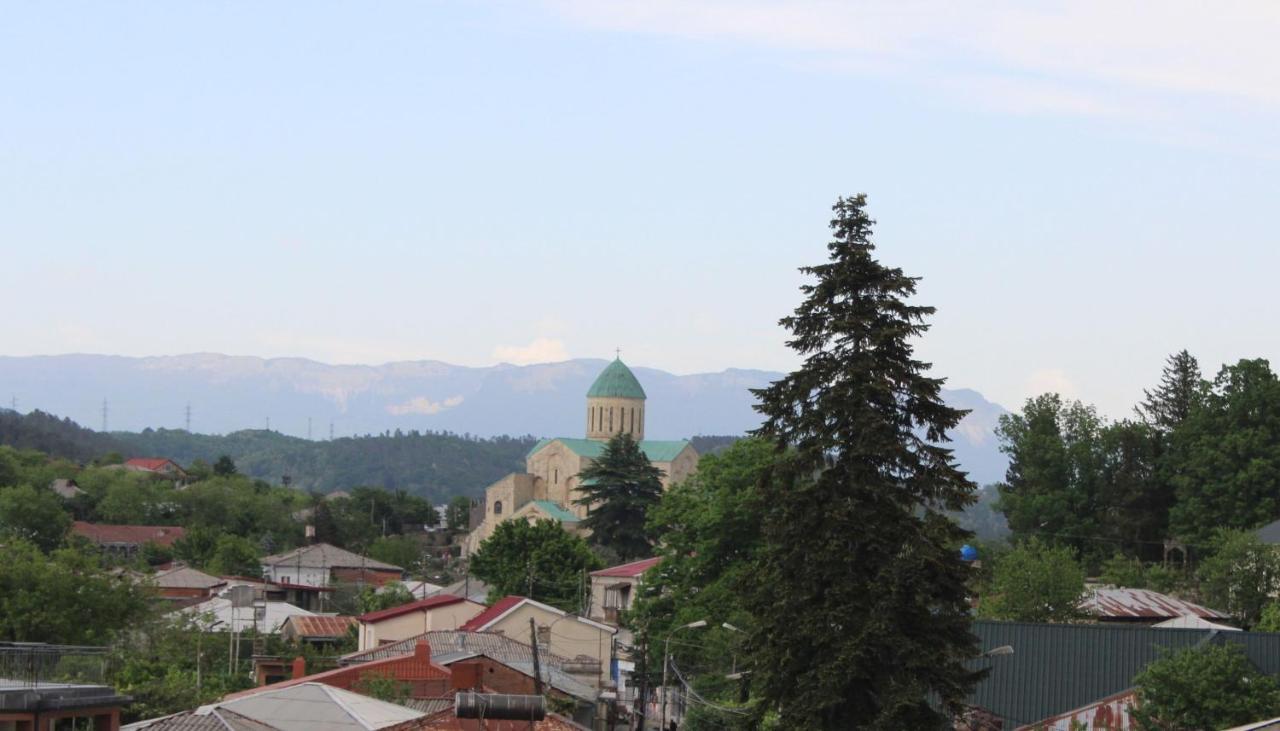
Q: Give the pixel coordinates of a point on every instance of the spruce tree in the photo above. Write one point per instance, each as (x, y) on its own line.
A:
(859, 594)
(619, 488)
(1180, 386)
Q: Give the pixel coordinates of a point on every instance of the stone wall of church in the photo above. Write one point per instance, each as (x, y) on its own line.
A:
(609, 416)
(557, 467)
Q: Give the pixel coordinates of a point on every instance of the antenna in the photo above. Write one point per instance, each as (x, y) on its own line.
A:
(13, 402)
(268, 423)
(188, 417)
(308, 428)
(331, 431)
(104, 416)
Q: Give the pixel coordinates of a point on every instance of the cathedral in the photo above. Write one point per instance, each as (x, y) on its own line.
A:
(549, 485)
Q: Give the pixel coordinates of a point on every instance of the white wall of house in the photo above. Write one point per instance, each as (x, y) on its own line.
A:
(394, 629)
(297, 575)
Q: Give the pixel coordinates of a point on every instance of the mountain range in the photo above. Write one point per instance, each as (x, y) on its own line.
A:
(306, 398)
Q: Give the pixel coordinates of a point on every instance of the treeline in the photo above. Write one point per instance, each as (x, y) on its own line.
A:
(1199, 456)
(432, 465)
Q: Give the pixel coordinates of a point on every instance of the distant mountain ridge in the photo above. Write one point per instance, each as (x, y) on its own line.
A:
(232, 393)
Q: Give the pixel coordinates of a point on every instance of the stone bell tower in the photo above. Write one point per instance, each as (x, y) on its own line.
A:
(615, 404)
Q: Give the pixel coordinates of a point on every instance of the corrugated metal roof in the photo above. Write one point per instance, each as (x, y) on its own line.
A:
(319, 707)
(1121, 603)
(631, 570)
(320, 625)
(185, 577)
(1058, 667)
(447, 642)
(556, 511)
(325, 556)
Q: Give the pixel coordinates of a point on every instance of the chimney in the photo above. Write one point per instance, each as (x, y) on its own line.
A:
(299, 667)
(422, 651)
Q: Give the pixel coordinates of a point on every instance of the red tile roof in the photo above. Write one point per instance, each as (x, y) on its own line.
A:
(416, 666)
(149, 463)
(163, 535)
(320, 626)
(439, 600)
(633, 569)
(499, 608)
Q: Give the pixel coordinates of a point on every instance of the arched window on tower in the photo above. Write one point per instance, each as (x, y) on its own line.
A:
(497, 507)
(556, 472)
(591, 419)
(633, 420)
(610, 419)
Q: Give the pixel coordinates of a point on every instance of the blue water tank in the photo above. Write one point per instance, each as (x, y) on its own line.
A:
(968, 553)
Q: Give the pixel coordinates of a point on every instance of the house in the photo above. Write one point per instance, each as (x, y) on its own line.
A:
(127, 540)
(34, 698)
(310, 598)
(323, 629)
(424, 678)
(442, 611)
(1059, 671)
(184, 582)
(614, 589)
(291, 707)
(321, 564)
(158, 465)
(424, 589)
(587, 643)
(66, 489)
(221, 614)
(1141, 606)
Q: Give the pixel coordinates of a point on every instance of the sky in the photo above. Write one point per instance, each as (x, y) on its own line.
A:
(1083, 187)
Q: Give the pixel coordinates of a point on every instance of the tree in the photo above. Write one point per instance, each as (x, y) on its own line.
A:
(403, 551)
(620, 487)
(197, 545)
(235, 556)
(1225, 457)
(1035, 582)
(1241, 576)
(33, 515)
(374, 598)
(859, 593)
(458, 515)
(1203, 687)
(1180, 387)
(538, 560)
(224, 467)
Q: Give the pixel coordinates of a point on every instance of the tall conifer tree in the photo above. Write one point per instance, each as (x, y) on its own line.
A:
(619, 487)
(860, 593)
(1180, 386)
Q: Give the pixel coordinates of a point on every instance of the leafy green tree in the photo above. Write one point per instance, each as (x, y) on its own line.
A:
(1225, 456)
(1124, 571)
(458, 516)
(225, 466)
(538, 560)
(1270, 619)
(373, 599)
(235, 556)
(197, 545)
(860, 498)
(403, 551)
(1035, 582)
(384, 688)
(136, 498)
(1204, 687)
(9, 469)
(1170, 403)
(65, 597)
(1241, 576)
(619, 488)
(33, 515)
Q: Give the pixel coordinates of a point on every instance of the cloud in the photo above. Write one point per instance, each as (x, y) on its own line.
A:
(1084, 58)
(540, 350)
(423, 405)
(1051, 380)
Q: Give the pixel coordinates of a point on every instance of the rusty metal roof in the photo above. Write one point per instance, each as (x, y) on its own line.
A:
(1142, 604)
(320, 625)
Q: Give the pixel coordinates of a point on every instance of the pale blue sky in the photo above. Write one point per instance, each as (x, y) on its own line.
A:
(1083, 186)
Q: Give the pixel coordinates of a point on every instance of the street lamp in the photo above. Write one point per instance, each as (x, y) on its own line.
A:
(998, 651)
(666, 661)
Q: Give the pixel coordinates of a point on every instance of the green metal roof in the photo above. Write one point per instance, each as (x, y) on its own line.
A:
(656, 451)
(555, 511)
(616, 381)
(1057, 668)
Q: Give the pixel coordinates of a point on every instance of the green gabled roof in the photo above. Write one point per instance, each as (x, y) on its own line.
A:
(616, 381)
(555, 511)
(656, 451)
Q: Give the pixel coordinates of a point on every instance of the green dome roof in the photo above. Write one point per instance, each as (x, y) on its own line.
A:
(616, 381)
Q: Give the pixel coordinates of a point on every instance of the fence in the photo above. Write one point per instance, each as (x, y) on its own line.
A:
(30, 664)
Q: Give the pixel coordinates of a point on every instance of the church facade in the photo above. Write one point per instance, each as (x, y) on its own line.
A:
(549, 485)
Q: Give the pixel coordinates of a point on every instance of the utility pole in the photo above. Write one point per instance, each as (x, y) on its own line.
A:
(308, 428)
(13, 403)
(268, 423)
(642, 700)
(104, 416)
(331, 431)
(537, 667)
(188, 417)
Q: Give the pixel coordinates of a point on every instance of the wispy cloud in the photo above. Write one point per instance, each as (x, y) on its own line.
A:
(1088, 58)
(540, 350)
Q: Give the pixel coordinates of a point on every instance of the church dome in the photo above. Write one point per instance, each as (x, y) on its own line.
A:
(616, 381)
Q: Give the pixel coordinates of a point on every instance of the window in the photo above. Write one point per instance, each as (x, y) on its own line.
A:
(591, 419)
(497, 507)
(556, 480)
(633, 420)
(611, 418)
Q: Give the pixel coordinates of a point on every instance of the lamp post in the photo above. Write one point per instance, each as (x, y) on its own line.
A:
(666, 662)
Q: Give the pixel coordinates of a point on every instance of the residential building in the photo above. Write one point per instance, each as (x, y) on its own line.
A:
(66, 488)
(1057, 672)
(321, 564)
(158, 465)
(184, 582)
(440, 612)
(127, 540)
(309, 706)
(33, 697)
(1141, 606)
(223, 614)
(586, 643)
(614, 590)
(319, 629)
(549, 486)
